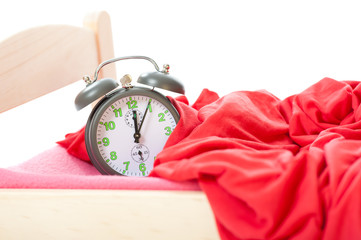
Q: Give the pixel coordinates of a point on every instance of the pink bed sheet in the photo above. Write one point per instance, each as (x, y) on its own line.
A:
(57, 169)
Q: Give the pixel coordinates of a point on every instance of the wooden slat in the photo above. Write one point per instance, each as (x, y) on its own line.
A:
(43, 59)
(105, 214)
(100, 23)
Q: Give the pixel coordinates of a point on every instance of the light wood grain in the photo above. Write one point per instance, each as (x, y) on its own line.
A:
(105, 214)
(43, 59)
(100, 23)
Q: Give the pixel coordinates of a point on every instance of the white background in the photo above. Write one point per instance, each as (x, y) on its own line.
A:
(280, 46)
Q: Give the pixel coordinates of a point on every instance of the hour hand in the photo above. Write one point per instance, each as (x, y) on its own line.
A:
(137, 133)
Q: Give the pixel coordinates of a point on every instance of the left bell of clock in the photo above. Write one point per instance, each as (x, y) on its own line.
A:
(93, 91)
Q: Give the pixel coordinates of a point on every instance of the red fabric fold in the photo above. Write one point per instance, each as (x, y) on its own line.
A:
(75, 144)
(271, 168)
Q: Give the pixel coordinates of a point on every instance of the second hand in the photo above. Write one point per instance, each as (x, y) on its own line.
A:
(145, 113)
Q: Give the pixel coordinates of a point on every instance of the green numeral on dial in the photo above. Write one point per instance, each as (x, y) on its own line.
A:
(108, 125)
(168, 131)
(132, 103)
(126, 166)
(149, 105)
(161, 117)
(118, 112)
(106, 141)
(142, 168)
(113, 156)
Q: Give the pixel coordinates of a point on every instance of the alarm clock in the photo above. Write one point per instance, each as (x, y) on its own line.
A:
(130, 125)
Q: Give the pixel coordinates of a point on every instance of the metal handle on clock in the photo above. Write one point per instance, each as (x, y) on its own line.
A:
(122, 58)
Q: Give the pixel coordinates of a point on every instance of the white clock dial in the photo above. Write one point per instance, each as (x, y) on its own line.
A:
(128, 148)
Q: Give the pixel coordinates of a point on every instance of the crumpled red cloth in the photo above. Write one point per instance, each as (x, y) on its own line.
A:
(271, 168)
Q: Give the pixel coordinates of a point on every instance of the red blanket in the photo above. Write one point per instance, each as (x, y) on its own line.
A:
(271, 169)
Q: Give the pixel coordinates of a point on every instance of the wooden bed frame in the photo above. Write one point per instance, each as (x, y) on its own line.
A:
(29, 59)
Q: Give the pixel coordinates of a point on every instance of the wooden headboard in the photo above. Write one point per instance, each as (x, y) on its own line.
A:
(43, 59)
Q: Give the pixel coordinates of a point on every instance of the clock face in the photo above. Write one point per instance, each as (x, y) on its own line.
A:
(127, 129)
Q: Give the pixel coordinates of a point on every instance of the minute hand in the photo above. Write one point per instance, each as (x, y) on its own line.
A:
(145, 113)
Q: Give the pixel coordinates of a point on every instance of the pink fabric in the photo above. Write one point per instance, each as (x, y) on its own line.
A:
(57, 169)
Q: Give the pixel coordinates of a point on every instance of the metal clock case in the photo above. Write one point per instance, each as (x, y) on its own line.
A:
(129, 126)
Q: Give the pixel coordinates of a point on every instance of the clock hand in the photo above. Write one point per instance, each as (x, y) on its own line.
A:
(137, 133)
(145, 113)
(141, 155)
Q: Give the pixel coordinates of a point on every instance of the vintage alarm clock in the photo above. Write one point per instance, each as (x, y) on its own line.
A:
(130, 125)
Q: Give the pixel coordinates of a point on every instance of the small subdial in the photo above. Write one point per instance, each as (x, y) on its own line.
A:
(129, 118)
(140, 153)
